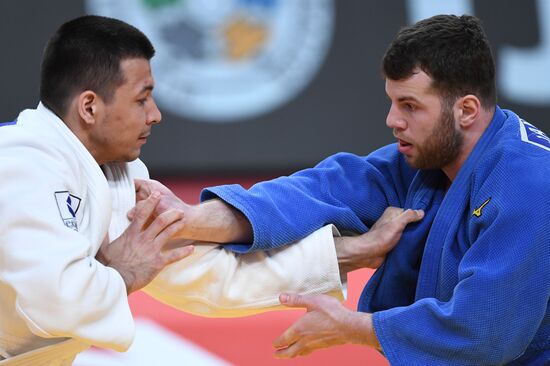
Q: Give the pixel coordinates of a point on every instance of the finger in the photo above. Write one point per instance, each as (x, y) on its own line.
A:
(145, 209)
(397, 226)
(176, 254)
(392, 211)
(131, 214)
(411, 215)
(289, 352)
(170, 231)
(143, 189)
(289, 337)
(141, 184)
(162, 222)
(294, 300)
(387, 216)
(302, 347)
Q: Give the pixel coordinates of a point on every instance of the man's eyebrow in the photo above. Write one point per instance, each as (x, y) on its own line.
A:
(146, 88)
(407, 98)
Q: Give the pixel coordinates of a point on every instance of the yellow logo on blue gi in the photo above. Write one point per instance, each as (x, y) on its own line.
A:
(477, 211)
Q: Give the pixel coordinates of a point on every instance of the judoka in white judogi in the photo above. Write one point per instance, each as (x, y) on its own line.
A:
(58, 206)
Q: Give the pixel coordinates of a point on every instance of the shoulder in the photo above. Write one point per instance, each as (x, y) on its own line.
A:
(515, 170)
(522, 138)
(25, 151)
(29, 158)
(520, 152)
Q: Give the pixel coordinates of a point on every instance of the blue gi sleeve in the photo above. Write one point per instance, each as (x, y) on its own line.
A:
(345, 189)
(499, 306)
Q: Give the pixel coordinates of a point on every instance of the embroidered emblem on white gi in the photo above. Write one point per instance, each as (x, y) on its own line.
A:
(477, 211)
(68, 206)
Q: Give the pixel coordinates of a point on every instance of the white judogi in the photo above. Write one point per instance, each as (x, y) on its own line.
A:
(57, 206)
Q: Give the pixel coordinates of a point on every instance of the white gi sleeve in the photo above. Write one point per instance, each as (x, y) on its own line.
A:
(60, 290)
(215, 282)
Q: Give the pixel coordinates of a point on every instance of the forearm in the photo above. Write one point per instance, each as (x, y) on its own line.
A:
(217, 222)
(356, 252)
(347, 255)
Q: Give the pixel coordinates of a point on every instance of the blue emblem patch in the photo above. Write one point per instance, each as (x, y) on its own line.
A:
(68, 206)
(533, 135)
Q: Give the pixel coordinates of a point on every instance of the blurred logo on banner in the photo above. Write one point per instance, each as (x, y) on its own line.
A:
(229, 60)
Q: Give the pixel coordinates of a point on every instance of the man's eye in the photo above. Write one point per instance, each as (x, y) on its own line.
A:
(410, 107)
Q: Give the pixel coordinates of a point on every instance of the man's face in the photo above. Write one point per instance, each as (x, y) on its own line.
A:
(127, 119)
(425, 128)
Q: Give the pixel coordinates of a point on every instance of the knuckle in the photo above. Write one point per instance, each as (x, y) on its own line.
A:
(163, 220)
(298, 331)
(141, 213)
(412, 214)
(393, 209)
(177, 214)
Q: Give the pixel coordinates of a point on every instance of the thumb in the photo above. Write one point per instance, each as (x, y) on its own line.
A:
(177, 254)
(294, 300)
(408, 216)
(405, 218)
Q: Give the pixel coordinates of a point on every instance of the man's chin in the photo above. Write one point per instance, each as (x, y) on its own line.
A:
(411, 161)
(418, 163)
(128, 158)
(132, 158)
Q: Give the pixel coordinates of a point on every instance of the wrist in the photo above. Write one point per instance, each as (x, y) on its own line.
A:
(344, 255)
(101, 258)
(356, 252)
(126, 278)
(361, 330)
(128, 281)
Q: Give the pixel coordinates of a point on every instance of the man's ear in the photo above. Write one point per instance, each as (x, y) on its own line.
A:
(89, 106)
(469, 109)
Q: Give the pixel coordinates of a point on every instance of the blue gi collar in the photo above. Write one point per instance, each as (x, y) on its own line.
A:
(455, 201)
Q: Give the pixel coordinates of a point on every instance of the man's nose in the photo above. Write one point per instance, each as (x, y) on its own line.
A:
(394, 120)
(154, 115)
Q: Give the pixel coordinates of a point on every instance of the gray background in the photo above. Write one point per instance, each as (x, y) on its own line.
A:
(342, 109)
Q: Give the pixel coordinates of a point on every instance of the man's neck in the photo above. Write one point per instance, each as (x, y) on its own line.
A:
(471, 137)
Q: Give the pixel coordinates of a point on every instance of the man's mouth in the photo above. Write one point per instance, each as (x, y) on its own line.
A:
(143, 138)
(403, 146)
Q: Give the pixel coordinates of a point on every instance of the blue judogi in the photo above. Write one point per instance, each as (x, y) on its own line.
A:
(470, 283)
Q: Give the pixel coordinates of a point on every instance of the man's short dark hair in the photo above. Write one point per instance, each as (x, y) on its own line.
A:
(85, 54)
(452, 50)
